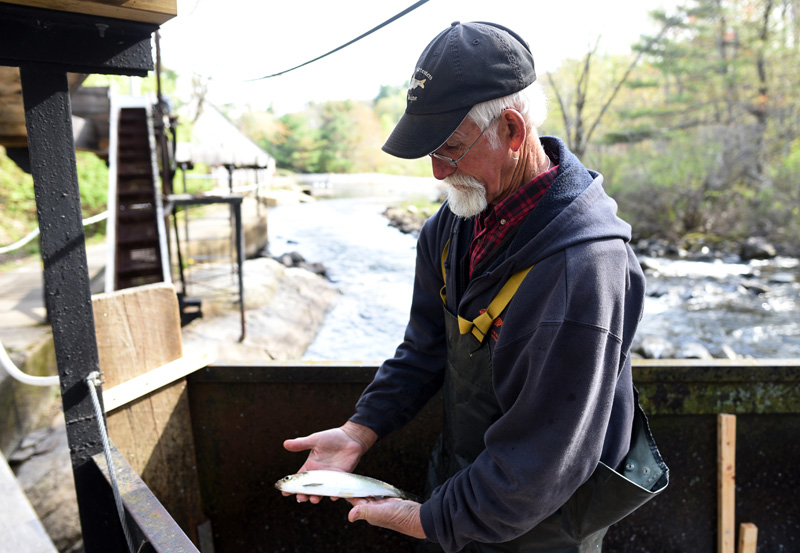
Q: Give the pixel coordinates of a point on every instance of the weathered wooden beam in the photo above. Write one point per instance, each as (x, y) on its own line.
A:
(15, 131)
(152, 381)
(12, 113)
(74, 43)
(147, 11)
(139, 332)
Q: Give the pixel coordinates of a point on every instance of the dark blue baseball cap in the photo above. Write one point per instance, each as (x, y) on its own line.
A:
(464, 65)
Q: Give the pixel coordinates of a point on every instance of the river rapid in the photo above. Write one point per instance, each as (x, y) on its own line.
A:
(727, 308)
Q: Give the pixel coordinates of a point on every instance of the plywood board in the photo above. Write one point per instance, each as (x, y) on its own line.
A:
(138, 330)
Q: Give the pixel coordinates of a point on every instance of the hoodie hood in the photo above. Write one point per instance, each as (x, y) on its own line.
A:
(575, 209)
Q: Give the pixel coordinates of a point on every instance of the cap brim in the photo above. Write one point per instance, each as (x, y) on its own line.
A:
(418, 135)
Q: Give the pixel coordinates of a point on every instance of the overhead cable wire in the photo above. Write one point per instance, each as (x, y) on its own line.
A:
(390, 20)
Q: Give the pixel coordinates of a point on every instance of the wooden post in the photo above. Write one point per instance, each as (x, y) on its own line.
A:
(748, 537)
(138, 330)
(726, 480)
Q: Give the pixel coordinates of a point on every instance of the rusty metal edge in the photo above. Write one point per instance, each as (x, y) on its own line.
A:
(151, 522)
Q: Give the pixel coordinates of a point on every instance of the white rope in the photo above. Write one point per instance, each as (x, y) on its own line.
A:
(25, 378)
(5, 360)
(93, 380)
(35, 232)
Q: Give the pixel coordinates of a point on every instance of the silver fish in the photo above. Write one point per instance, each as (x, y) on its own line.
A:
(331, 483)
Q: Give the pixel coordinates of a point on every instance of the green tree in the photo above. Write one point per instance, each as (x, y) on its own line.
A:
(581, 119)
(337, 137)
(295, 144)
(724, 108)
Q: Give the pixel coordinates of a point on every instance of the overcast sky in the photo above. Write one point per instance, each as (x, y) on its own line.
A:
(232, 41)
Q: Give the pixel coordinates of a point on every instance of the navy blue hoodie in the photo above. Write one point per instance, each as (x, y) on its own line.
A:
(561, 369)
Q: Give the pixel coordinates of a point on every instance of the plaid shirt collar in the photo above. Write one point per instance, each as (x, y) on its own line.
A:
(495, 223)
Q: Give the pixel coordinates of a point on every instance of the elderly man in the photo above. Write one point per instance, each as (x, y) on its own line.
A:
(526, 300)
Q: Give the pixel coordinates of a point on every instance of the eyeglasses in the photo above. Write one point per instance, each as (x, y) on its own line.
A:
(454, 162)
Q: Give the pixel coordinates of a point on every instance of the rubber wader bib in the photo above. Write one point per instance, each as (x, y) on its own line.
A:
(471, 407)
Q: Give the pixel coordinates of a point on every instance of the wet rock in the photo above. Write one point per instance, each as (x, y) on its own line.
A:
(653, 248)
(316, 268)
(654, 347)
(407, 220)
(782, 278)
(756, 247)
(693, 350)
(284, 309)
(755, 286)
(649, 264)
(727, 352)
(295, 259)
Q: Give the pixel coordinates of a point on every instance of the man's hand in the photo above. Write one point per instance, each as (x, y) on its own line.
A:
(395, 514)
(335, 449)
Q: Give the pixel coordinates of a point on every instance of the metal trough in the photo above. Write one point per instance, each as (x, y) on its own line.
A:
(242, 413)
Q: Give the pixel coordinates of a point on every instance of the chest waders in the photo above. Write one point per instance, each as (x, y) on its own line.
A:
(471, 407)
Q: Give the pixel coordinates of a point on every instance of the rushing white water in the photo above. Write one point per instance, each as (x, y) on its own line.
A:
(370, 262)
(740, 305)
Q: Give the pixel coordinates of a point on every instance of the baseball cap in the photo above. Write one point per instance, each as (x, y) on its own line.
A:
(464, 65)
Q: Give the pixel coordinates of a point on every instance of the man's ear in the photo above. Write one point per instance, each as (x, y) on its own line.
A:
(515, 128)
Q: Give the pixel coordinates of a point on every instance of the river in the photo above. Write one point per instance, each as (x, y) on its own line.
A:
(751, 308)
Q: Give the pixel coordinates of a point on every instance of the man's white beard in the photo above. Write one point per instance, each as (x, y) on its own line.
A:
(466, 202)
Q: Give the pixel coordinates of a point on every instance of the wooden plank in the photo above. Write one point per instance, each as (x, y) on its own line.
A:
(12, 113)
(748, 537)
(138, 330)
(147, 11)
(726, 480)
(151, 381)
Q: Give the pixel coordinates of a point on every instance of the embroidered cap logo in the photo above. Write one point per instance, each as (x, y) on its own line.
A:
(424, 77)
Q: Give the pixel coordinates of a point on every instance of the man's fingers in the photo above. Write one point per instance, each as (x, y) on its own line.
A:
(297, 444)
(359, 512)
(394, 514)
(302, 498)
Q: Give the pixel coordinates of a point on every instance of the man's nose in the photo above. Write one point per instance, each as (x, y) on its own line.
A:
(441, 169)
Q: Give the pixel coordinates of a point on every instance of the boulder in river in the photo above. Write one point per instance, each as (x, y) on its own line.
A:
(756, 247)
(693, 350)
(654, 347)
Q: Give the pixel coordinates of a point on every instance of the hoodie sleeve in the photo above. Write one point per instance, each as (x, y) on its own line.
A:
(555, 380)
(404, 384)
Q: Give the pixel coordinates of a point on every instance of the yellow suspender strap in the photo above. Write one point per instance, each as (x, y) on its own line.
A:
(483, 323)
(442, 292)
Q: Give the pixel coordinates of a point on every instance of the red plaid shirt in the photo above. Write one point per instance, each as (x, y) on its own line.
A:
(496, 221)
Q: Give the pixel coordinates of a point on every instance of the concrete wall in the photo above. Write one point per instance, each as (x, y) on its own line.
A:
(22, 405)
